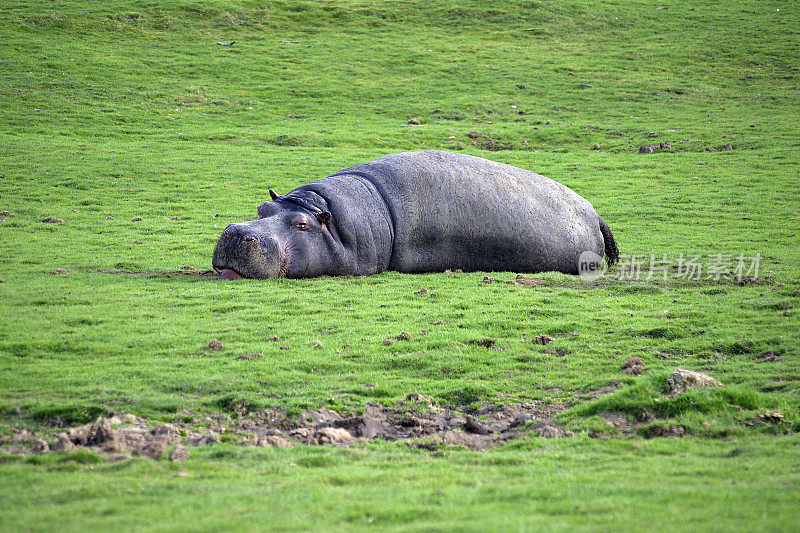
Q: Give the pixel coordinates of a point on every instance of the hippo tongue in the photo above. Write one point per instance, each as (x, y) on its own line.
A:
(227, 273)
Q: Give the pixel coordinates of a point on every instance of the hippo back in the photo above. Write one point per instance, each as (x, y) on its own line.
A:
(453, 211)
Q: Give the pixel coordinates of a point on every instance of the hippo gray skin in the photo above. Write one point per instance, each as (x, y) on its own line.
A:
(417, 212)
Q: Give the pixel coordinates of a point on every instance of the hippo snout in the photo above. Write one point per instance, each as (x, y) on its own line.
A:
(245, 250)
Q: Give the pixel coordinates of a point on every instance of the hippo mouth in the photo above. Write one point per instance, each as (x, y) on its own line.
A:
(246, 252)
(252, 268)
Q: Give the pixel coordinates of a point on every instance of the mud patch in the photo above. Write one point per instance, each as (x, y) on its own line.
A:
(418, 420)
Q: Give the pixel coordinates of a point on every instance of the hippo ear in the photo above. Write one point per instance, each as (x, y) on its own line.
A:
(274, 195)
(324, 217)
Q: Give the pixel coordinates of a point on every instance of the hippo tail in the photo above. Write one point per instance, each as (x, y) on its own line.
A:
(612, 252)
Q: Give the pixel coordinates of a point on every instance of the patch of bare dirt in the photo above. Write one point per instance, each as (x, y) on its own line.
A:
(655, 147)
(752, 280)
(657, 430)
(194, 273)
(633, 366)
(540, 339)
(486, 343)
(526, 281)
(417, 420)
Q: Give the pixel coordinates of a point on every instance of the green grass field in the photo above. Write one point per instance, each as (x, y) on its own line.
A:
(111, 111)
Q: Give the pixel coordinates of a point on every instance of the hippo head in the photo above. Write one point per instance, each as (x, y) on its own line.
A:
(291, 238)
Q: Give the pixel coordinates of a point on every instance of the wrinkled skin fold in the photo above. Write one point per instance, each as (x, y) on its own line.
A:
(417, 212)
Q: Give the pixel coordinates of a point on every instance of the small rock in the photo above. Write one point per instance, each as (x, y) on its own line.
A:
(109, 218)
(179, 453)
(39, 447)
(439, 323)
(682, 380)
(595, 146)
(448, 272)
(174, 218)
(476, 134)
(388, 341)
(414, 122)
(182, 473)
(53, 220)
(424, 331)
(422, 291)
(117, 457)
(300, 433)
(633, 366)
(405, 336)
(334, 436)
(285, 347)
(136, 219)
(274, 338)
(214, 344)
(249, 356)
(187, 267)
(653, 134)
(728, 147)
(520, 86)
(543, 339)
(8, 214)
(487, 279)
(317, 344)
(59, 271)
(710, 149)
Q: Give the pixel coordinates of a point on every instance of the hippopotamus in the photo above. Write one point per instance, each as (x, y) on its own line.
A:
(413, 212)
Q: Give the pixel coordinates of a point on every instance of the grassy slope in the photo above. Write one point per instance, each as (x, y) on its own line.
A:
(130, 109)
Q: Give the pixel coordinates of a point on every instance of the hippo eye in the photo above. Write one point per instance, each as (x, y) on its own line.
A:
(301, 225)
